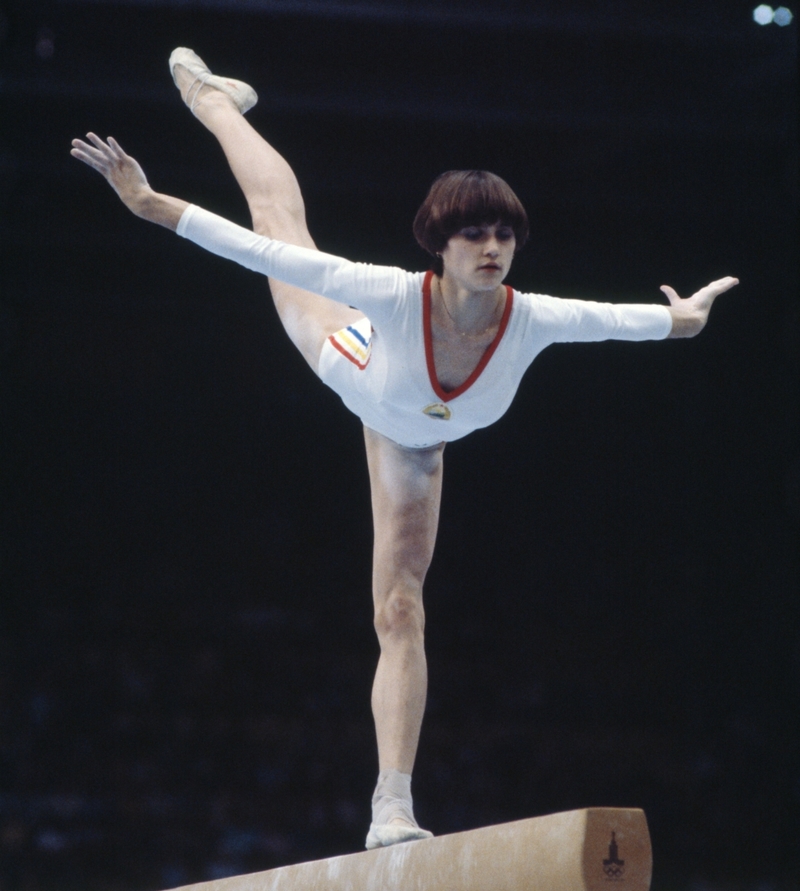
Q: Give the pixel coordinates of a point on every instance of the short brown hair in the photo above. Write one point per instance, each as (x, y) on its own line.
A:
(462, 198)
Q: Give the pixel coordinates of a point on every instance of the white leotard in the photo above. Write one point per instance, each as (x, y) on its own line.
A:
(383, 366)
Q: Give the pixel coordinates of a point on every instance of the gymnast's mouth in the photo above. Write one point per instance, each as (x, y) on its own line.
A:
(490, 266)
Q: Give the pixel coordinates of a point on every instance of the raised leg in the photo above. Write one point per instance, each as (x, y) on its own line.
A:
(277, 210)
(406, 487)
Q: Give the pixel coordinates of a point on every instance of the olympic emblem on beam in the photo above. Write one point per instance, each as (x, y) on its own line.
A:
(613, 867)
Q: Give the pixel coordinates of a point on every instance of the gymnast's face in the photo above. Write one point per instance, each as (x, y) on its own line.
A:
(478, 257)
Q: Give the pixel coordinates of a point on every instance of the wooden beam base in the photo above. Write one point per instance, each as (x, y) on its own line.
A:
(587, 850)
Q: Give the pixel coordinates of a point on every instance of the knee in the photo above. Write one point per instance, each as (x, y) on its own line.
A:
(278, 220)
(400, 615)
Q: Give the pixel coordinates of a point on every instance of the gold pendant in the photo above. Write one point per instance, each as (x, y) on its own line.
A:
(438, 411)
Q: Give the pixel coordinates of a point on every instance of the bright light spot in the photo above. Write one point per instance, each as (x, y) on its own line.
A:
(783, 16)
(763, 14)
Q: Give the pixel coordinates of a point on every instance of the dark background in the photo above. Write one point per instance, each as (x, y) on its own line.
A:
(186, 646)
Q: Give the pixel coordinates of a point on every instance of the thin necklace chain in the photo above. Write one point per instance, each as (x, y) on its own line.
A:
(455, 324)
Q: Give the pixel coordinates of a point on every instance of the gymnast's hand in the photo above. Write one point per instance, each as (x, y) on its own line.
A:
(689, 315)
(123, 173)
(126, 177)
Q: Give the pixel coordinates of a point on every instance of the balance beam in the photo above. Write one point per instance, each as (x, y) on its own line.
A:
(587, 850)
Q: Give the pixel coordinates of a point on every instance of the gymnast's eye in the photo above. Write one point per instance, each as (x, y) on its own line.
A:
(472, 233)
(504, 233)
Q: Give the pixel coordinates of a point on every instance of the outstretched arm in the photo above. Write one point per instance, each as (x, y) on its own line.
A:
(127, 179)
(689, 316)
(372, 289)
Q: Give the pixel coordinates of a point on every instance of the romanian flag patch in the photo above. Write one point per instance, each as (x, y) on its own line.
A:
(352, 344)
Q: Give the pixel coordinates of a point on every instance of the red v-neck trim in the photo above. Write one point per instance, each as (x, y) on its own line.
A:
(426, 328)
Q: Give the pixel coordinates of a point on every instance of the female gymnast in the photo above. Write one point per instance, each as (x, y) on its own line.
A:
(424, 359)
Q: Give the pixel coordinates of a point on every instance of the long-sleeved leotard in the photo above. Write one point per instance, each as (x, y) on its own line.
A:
(382, 367)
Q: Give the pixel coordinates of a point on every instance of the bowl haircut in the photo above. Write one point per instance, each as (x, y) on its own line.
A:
(461, 198)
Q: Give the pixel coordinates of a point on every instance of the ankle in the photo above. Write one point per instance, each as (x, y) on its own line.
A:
(213, 99)
(391, 801)
(195, 90)
(211, 102)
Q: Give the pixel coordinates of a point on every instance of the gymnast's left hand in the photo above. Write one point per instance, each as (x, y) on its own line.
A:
(689, 315)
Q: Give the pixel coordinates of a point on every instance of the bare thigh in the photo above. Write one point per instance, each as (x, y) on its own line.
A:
(307, 318)
(406, 487)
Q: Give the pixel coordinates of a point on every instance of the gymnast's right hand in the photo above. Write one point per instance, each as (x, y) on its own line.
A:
(127, 179)
(123, 172)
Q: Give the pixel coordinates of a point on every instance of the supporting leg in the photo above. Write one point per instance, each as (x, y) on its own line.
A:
(406, 494)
